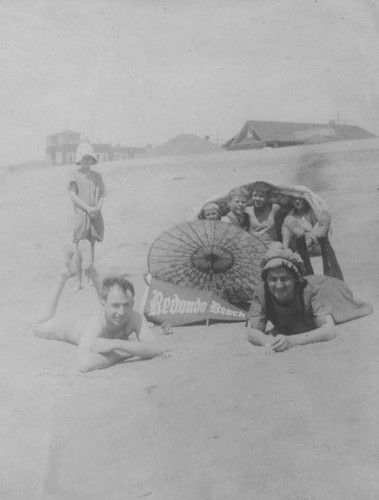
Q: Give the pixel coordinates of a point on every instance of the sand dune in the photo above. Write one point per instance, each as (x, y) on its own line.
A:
(214, 418)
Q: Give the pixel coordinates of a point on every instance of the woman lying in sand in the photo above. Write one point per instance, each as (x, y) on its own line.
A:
(302, 310)
(103, 339)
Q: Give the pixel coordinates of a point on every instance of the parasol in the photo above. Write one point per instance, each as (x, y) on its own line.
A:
(209, 255)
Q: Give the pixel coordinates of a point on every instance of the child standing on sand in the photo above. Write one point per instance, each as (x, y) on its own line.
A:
(87, 192)
(237, 201)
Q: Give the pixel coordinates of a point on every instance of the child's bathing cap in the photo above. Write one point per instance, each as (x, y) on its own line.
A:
(84, 149)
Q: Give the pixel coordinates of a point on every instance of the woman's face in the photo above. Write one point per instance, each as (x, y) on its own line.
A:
(299, 203)
(259, 199)
(281, 285)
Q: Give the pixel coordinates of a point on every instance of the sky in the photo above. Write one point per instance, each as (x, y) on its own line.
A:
(139, 72)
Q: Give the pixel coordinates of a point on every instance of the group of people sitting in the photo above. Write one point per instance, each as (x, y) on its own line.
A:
(302, 226)
(300, 307)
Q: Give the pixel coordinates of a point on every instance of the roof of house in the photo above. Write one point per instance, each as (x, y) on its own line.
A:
(128, 149)
(101, 147)
(66, 132)
(184, 144)
(289, 132)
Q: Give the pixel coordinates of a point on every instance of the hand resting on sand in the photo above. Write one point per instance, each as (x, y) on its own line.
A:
(277, 344)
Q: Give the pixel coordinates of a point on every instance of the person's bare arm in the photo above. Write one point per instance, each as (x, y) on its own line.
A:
(78, 202)
(127, 348)
(90, 360)
(257, 337)
(100, 203)
(146, 346)
(323, 333)
(274, 211)
(286, 235)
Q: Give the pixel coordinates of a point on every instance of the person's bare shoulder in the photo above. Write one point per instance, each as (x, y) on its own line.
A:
(90, 326)
(135, 323)
(138, 325)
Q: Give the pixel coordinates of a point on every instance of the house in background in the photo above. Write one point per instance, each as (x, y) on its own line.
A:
(103, 151)
(125, 152)
(260, 134)
(61, 149)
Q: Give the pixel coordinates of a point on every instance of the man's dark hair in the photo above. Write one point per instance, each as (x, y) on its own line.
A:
(119, 281)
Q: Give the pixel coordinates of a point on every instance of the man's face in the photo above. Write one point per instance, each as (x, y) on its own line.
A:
(118, 307)
(237, 204)
(259, 199)
(281, 285)
(87, 162)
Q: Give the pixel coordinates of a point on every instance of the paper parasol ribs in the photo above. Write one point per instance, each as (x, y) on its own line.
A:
(209, 255)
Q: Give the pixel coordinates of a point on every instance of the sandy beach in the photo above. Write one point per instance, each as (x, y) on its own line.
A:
(214, 418)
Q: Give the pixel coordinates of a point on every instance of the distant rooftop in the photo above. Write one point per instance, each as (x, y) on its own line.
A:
(269, 133)
(184, 144)
(66, 132)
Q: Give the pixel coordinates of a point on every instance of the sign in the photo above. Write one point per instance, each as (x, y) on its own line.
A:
(179, 305)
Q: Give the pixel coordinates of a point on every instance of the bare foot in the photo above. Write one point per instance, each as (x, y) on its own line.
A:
(77, 286)
(87, 282)
(147, 278)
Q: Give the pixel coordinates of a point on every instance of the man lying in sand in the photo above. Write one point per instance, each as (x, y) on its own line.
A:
(102, 339)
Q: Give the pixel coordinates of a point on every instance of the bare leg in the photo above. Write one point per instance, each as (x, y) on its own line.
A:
(294, 234)
(45, 324)
(291, 231)
(77, 264)
(92, 273)
(286, 236)
(89, 274)
(72, 260)
(86, 249)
